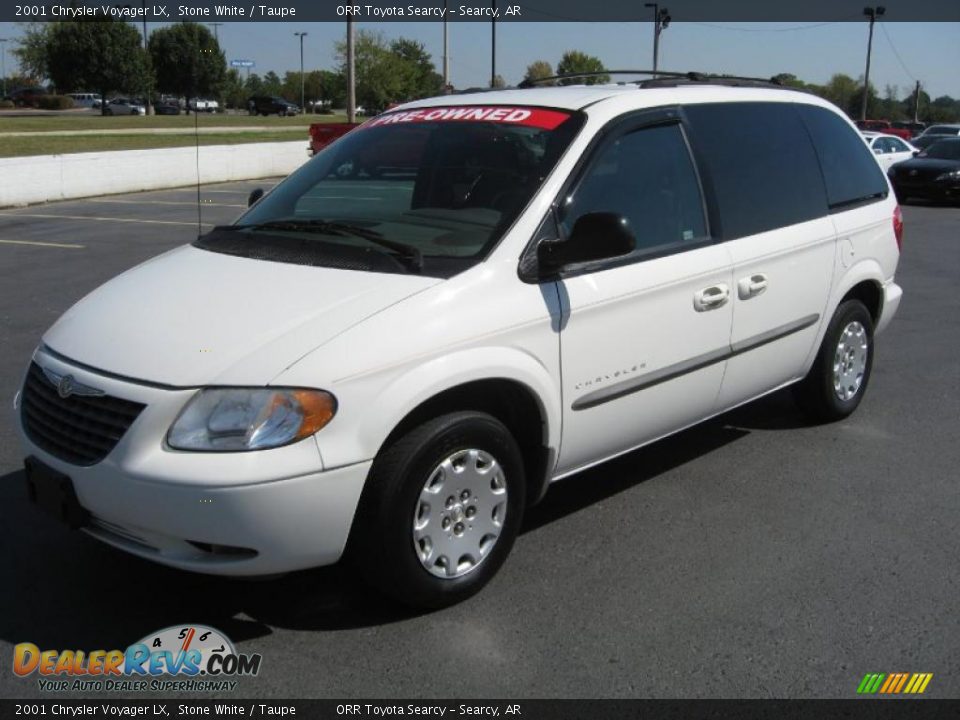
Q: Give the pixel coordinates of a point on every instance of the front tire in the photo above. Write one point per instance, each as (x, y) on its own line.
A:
(836, 383)
(440, 511)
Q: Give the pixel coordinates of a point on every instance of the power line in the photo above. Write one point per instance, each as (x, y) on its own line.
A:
(894, 48)
(787, 29)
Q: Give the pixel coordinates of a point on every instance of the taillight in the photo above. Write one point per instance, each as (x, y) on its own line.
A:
(898, 227)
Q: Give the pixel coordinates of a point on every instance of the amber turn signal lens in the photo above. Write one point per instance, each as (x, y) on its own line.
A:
(318, 409)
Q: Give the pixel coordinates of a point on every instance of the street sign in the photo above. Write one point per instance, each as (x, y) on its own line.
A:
(242, 63)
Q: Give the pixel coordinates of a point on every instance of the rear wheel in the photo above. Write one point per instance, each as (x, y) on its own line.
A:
(838, 379)
(440, 511)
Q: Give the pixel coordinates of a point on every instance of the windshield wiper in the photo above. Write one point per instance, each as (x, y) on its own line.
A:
(411, 256)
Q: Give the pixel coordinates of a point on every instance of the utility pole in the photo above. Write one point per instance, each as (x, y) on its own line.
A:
(661, 21)
(351, 76)
(149, 108)
(303, 107)
(3, 64)
(873, 13)
(446, 47)
(493, 45)
(216, 37)
(916, 102)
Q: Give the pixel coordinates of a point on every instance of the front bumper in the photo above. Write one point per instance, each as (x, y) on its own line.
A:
(196, 511)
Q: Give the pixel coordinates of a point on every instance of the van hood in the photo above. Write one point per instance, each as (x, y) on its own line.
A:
(192, 317)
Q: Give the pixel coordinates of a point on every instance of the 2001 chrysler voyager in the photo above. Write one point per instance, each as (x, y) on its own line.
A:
(394, 352)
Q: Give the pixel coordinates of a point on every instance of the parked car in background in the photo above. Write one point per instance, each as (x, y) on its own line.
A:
(27, 97)
(934, 174)
(884, 126)
(915, 128)
(946, 129)
(125, 106)
(889, 149)
(166, 107)
(87, 100)
(924, 141)
(271, 105)
(322, 134)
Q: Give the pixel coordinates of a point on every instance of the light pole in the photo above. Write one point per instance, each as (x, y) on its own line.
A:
(216, 36)
(446, 48)
(351, 75)
(873, 13)
(3, 64)
(149, 108)
(303, 107)
(493, 45)
(661, 21)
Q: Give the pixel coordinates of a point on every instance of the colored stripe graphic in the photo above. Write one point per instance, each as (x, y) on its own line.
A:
(894, 683)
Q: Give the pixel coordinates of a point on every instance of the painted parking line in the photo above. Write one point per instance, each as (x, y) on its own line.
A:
(204, 203)
(71, 246)
(99, 219)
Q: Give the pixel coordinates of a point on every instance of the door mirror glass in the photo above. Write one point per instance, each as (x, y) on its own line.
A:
(254, 196)
(595, 236)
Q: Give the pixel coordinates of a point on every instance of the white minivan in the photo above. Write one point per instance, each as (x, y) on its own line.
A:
(398, 349)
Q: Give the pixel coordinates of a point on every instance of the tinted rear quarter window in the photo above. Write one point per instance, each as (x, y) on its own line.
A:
(761, 165)
(851, 174)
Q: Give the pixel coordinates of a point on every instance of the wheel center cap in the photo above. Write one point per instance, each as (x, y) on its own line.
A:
(456, 513)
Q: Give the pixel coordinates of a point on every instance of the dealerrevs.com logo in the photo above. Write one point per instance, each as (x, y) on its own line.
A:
(178, 658)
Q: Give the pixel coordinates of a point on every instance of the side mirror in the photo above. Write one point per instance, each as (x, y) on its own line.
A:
(254, 196)
(595, 236)
(916, 152)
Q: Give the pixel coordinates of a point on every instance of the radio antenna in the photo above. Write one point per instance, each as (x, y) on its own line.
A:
(196, 137)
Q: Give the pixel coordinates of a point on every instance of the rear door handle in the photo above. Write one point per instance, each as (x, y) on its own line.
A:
(752, 286)
(711, 298)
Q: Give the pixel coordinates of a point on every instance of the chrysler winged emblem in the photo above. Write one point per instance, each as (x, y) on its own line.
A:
(67, 385)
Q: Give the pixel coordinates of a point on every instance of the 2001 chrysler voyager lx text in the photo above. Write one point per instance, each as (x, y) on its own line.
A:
(395, 351)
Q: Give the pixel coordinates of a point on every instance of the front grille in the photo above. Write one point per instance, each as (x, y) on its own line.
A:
(78, 430)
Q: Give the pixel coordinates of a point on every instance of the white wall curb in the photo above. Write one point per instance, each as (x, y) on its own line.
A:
(46, 178)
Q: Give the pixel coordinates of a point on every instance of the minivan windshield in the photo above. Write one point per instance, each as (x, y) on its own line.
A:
(429, 191)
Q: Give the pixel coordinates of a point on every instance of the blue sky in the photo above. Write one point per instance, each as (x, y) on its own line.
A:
(929, 52)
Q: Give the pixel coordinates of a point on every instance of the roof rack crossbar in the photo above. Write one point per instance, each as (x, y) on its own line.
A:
(656, 76)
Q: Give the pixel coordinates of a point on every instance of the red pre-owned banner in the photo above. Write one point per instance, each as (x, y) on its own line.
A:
(528, 116)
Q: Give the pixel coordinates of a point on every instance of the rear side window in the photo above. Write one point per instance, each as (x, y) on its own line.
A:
(852, 176)
(761, 164)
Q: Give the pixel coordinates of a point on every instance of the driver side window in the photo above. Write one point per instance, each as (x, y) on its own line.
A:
(648, 178)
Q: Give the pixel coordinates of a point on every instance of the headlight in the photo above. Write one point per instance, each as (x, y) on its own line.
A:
(237, 419)
(952, 175)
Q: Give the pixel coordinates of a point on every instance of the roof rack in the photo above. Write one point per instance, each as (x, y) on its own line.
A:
(664, 78)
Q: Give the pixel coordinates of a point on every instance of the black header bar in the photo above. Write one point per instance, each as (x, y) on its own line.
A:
(809, 11)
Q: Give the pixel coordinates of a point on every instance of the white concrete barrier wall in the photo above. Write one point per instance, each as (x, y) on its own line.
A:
(44, 178)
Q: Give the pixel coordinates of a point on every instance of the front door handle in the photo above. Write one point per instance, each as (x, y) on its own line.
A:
(752, 286)
(711, 298)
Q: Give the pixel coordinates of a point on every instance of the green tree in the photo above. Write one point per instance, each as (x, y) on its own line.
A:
(574, 61)
(272, 84)
(498, 82)
(234, 92)
(100, 55)
(843, 91)
(333, 88)
(420, 77)
(253, 84)
(32, 48)
(943, 109)
(187, 60)
(539, 69)
(379, 73)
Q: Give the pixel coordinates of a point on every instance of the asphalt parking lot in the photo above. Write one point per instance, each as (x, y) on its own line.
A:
(751, 556)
